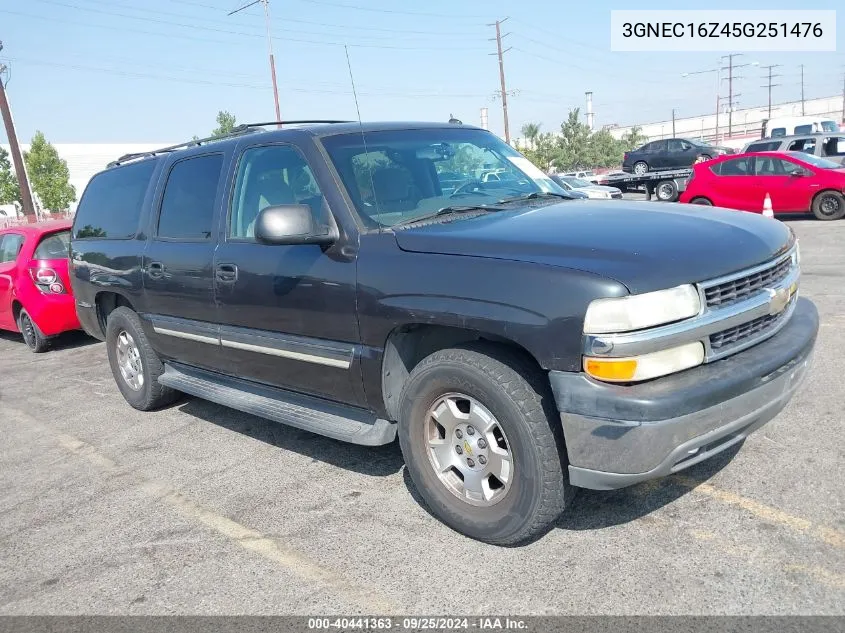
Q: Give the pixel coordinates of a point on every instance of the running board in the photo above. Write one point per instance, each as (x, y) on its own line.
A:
(341, 422)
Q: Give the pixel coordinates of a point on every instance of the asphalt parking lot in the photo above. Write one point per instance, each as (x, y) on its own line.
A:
(198, 509)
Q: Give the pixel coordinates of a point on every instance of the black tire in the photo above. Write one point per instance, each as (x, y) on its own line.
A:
(517, 395)
(666, 191)
(829, 205)
(32, 336)
(643, 168)
(702, 201)
(150, 394)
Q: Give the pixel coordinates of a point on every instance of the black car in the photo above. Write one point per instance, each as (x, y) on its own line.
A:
(673, 153)
(515, 342)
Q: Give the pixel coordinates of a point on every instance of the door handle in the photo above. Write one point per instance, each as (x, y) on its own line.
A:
(227, 273)
(155, 270)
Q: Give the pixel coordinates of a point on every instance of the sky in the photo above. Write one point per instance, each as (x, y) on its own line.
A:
(101, 71)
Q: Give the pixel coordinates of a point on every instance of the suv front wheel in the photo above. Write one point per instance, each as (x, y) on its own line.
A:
(134, 364)
(482, 445)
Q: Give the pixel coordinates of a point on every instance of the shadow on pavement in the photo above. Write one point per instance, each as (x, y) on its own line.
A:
(68, 340)
(376, 461)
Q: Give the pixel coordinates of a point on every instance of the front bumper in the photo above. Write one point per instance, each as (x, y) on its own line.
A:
(618, 435)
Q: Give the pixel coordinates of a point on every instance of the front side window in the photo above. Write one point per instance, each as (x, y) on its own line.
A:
(10, 246)
(187, 206)
(271, 176)
(834, 146)
(815, 161)
(771, 146)
(53, 246)
(773, 166)
(677, 145)
(397, 175)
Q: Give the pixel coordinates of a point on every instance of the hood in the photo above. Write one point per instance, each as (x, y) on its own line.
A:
(644, 245)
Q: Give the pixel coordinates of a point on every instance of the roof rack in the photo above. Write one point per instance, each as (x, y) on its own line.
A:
(243, 128)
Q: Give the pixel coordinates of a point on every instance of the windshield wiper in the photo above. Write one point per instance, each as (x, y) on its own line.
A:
(448, 211)
(536, 195)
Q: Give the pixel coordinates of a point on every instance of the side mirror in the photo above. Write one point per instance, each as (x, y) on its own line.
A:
(291, 224)
(799, 172)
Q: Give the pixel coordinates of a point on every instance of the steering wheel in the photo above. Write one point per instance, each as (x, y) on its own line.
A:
(470, 186)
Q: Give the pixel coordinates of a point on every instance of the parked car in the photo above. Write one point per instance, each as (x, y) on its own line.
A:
(570, 183)
(516, 343)
(829, 146)
(586, 175)
(673, 153)
(795, 182)
(35, 294)
(790, 125)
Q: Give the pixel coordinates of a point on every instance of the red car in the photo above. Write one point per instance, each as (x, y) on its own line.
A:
(796, 183)
(35, 293)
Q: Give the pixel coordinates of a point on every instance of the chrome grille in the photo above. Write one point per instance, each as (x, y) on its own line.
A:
(744, 331)
(740, 288)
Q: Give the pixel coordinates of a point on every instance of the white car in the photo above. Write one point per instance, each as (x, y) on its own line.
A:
(570, 183)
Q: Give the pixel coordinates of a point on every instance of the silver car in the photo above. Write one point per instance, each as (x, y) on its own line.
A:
(570, 183)
(829, 145)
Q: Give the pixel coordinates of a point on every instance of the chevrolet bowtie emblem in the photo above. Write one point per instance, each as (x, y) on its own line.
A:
(778, 299)
(467, 448)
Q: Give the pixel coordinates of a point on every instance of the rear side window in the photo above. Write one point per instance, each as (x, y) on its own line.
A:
(778, 131)
(10, 246)
(806, 145)
(803, 129)
(111, 205)
(187, 207)
(771, 146)
(735, 167)
(53, 246)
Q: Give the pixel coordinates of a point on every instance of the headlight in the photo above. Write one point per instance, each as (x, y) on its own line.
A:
(796, 256)
(635, 312)
(647, 366)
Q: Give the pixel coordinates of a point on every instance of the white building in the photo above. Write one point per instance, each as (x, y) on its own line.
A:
(745, 124)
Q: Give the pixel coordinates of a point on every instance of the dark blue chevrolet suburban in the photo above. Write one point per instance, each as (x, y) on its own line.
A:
(518, 342)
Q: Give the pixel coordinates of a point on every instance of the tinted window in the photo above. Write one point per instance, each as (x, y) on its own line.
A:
(269, 176)
(677, 145)
(53, 246)
(735, 167)
(807, 145)
(834, 146)
(111, 204)
(771, 146)
(830, 126)
(10, 246)
(773, 166)
(803, 129)
(779, 131)
(187, 207)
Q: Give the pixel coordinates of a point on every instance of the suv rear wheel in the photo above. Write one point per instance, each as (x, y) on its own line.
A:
(482, 446)
(134, 364)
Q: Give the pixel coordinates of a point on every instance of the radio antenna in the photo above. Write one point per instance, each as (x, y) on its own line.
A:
(363, 136)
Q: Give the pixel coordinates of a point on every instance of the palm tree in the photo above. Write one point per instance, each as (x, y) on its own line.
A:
(531, 131)
(634, 138)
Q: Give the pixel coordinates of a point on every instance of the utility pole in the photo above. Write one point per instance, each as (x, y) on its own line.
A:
(673, 122)
(266, 4)
(730, 68)
(17, 159)
(843, 98)
(770, 85)
(802, 89)
(504, 92)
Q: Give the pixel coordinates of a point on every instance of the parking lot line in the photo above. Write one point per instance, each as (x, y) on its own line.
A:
(247, 538)
(828, 535)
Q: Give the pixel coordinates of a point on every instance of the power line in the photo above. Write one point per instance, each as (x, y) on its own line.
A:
(231, 32)
(396, 11)
(266, 4)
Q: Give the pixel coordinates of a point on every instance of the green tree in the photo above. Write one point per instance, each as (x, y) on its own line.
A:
(9, 190)
(225, 123)
(531, 131)
(604, 150)
(633, 138)
(48, 174)
(574, 143)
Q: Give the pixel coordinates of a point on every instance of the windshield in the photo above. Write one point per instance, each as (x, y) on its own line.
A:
(404, 174)
(815, 161)
(576, 182)
(830, 126)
